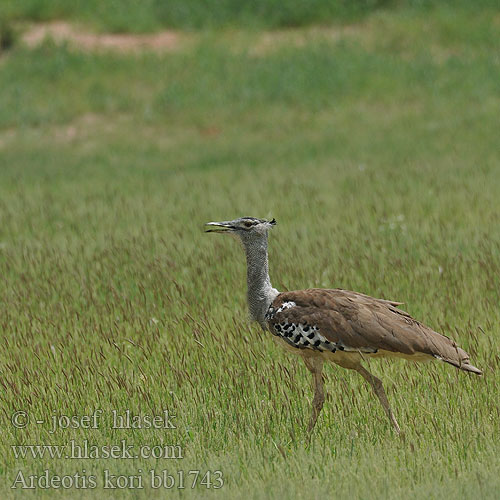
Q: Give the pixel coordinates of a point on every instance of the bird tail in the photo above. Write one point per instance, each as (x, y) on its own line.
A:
(470, 368)
(461, 364)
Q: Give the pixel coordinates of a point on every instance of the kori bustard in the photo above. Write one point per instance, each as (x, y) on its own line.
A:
(334, 325)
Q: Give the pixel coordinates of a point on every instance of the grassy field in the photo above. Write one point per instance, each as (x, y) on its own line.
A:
(375, 146)
(147, 15)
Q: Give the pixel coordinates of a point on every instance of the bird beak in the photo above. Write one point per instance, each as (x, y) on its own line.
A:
(220, 227)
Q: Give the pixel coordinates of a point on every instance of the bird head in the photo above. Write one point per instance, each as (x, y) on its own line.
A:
(247, 229)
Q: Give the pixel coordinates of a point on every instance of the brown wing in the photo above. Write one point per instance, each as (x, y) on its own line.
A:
(359, 322)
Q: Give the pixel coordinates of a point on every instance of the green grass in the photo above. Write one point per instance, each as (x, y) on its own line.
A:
(376, 151)
(147, 15)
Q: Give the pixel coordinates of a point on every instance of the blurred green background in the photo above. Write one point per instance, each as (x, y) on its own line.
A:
(147, 15)
(368, 129)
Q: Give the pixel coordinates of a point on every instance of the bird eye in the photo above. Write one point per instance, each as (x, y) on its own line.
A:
(248, 224)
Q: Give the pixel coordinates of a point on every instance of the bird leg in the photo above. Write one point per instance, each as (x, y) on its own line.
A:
(315, 366)
(377, 386)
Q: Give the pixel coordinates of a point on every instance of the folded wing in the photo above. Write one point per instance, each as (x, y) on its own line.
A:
(352, 321)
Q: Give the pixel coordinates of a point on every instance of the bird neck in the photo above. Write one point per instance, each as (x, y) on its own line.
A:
(260, 292)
